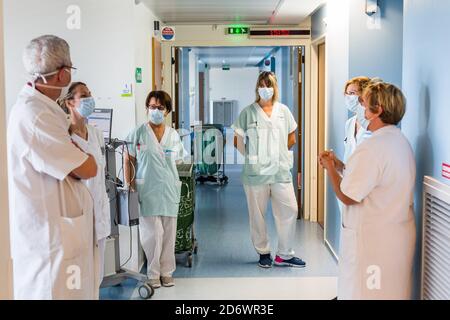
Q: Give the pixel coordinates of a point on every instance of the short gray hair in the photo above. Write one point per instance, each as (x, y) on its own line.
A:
(46, 54)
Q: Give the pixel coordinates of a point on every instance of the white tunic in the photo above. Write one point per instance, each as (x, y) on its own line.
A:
(378, 234)
(95, 145)
(51, 216)
(351, 141)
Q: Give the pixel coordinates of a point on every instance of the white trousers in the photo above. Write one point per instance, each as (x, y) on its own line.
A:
(158, 234)
(285, 212)
(101, 258)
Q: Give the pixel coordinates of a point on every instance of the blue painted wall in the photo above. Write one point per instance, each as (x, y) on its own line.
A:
(354, 49)
(377, 52)
(409, 50)
(426, 83)
(318, 27)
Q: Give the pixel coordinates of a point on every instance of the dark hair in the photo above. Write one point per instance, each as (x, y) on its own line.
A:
(70, 95)
(162, 97)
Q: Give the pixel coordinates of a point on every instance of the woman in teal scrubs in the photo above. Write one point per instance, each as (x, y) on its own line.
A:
(265, 133)
(154, 151)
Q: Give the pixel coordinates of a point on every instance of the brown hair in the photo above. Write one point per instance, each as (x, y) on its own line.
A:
(163, 98)
(361, 82)
(69, 96)
(389, 98)
(270, 80)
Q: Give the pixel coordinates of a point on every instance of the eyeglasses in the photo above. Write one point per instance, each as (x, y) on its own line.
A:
(73, 70)
(153, 107)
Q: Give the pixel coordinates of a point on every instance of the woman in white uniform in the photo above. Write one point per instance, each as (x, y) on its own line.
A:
(378, 228)
(355, 127)
(265, 133)
(154, 151)
(80, 104)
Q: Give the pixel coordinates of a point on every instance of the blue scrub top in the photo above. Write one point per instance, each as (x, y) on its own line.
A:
(157, 180)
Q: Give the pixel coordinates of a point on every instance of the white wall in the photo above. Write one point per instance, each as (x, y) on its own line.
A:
(102, 50)
(5, 254)
(234, 84)
(143, 32)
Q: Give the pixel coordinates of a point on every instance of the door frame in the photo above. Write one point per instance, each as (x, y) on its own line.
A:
(321, 116)
(168, 55)
(314, 133)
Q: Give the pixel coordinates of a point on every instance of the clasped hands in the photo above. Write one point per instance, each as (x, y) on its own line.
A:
(328, 160)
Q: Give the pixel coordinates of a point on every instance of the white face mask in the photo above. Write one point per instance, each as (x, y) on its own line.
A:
(352, 102)
(156, 116)
(37, 76)
(368, 121)
(86, 107)
(266, 94)
(361, 117)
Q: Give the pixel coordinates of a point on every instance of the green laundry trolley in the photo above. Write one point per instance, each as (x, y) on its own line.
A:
(186, 243)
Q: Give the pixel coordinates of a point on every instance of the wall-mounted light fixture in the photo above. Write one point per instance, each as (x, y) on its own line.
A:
(371, 7)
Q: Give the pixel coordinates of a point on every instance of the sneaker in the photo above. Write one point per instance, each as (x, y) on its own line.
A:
(167, 281)
(154, 283)
(293, 262)
(265, 261)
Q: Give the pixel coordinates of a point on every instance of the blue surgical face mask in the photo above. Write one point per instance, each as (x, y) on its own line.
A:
(156, 116)
(361, 117)
(86, 107)
(351, 102)
(265, 93)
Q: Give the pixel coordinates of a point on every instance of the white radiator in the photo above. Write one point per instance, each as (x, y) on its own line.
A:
(436, 241)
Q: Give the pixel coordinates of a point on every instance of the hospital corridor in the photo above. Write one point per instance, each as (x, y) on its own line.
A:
(252, 153)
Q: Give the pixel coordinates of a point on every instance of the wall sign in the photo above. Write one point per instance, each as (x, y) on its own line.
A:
(238, 30)
(127, 91)
(446, 170)
(138, 75)
(168, 34)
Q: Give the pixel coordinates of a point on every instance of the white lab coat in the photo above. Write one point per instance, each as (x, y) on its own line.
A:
(378, 234)
(351, 141)
(51, 215)
(95, 145)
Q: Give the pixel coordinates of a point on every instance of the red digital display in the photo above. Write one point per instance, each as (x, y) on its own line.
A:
(280, 32)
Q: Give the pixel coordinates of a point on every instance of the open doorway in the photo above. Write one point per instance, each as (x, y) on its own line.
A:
(212, 85)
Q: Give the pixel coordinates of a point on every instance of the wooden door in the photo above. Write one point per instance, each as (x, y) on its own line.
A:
(157, 77)
(321, 136)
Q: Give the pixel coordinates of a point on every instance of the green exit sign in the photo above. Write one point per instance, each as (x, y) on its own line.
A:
(238, 30)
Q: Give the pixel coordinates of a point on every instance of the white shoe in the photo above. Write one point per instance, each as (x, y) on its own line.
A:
(154, 283)
(167, 281)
